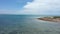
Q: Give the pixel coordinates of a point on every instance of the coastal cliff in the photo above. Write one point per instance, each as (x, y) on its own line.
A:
(52, 19)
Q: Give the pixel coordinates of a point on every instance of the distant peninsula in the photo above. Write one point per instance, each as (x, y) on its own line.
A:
(51, 18)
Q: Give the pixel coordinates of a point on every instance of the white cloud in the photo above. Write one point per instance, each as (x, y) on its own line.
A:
(41, 7)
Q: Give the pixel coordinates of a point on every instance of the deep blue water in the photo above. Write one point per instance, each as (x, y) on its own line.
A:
(27, 24)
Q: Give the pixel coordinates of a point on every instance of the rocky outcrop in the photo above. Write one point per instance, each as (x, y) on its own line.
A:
(50, 19)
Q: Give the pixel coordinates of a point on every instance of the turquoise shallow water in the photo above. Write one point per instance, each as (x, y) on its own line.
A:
(27, 24)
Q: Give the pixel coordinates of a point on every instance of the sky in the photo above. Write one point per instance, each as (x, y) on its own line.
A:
(34, 7)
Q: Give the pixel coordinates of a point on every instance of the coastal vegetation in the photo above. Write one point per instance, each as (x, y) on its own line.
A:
(56, 17)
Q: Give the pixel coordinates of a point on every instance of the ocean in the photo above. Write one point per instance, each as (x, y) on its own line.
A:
(27, 24)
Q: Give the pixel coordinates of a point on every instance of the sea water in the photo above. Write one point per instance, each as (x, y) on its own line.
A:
(27, 24)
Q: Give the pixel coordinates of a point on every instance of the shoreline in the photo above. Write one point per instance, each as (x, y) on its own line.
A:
(50, 19)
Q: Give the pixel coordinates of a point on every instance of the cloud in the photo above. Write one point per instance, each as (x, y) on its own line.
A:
(41, 7)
